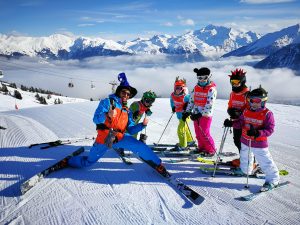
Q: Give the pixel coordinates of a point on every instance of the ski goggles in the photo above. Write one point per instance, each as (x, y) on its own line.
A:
(179, 88)
(201, 78)
(149, 100)
(257, 100)
(235, 82)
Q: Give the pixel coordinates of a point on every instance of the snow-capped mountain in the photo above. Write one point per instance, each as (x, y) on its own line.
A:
(211, 41)
(208, 42)
(270, 43)
(288, 56)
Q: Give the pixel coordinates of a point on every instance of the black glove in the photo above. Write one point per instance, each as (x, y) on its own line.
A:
(234, 113)
(253, 132)
(228, 123)
(148, 112)
(135, 115)
(196, 116)
(185, 115)
(173, 109)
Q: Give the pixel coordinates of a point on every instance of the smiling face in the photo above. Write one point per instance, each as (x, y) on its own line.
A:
(125, 95)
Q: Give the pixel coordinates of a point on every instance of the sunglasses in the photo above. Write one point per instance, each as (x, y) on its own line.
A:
(126, 93)
(235, 82)
(202, 77)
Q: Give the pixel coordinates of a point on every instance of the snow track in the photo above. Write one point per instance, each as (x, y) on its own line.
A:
(111, 192)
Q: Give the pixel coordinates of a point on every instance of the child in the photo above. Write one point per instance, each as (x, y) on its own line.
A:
(257, 124)
(179, 100)
(139, 108)
(200, 108)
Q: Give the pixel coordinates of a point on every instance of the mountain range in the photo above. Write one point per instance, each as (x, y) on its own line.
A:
(210, 41)
(280, 48)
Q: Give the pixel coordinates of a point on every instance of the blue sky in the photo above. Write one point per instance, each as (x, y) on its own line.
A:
(126, 19)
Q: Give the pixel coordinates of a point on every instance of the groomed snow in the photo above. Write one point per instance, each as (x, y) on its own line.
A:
(111, 192)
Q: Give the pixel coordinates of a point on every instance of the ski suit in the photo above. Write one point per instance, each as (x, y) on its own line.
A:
(202, 101)
(238, 102)
(122, 122)
(138, 109)
(263, 121)
(183, 131)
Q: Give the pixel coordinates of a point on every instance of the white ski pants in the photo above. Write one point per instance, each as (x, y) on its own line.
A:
(263, 158)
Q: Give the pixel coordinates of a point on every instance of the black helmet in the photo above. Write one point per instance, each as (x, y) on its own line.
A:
(258, 93)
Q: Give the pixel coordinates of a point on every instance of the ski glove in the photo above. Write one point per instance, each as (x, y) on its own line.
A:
(253, 133)
(185, 115)
(173, 109)
(234, 113)
(148, 112)
(135, 115)
(196, 116)
(228, 123)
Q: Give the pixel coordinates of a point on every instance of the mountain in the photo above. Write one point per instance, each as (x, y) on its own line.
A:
(210, 41)
(288, 56)
(269, 43)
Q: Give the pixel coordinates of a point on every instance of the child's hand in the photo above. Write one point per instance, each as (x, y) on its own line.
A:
(145, 121)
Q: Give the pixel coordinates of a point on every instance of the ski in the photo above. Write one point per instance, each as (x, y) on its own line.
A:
(31, 182)
(164, 145)
(122, 156)
(158, 149)
(49, 143)
(227, 172)
(213, 162)
(254, 195)
(2, 128)
(188, 192)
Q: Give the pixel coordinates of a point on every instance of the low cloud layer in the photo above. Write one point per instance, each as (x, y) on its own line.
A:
(155, 73)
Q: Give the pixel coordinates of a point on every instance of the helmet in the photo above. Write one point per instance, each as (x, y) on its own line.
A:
(260, 94)
(149, 95)
(180, 82)
(240, 76)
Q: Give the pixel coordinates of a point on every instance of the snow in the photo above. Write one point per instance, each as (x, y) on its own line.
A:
(111, 192)
(8, 102)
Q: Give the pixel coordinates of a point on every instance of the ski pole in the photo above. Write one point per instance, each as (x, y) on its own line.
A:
(165, 128)
(221, 148)
(249, 150)
(189, 130)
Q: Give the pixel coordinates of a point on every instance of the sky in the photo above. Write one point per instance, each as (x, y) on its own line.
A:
(126, 19)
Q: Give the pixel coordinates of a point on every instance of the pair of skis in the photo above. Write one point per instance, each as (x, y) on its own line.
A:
(189, 193)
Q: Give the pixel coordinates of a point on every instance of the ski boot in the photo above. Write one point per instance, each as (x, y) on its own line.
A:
(268, 186)
(162, 170)
(238, 172)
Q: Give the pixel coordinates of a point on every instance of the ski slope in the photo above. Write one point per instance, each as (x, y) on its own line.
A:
(111, 192)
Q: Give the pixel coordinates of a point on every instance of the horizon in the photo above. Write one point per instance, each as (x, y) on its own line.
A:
(127, 20)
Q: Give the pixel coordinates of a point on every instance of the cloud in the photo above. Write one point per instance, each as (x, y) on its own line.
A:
(86, 25)
(265, 1)
(168, 24)
(187, 22)
(147, 72)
